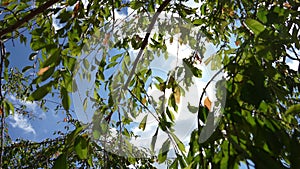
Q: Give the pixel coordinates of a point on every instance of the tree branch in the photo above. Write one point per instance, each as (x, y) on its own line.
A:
(145, 41)
(143, 46)
(28, 17)
(2, 55)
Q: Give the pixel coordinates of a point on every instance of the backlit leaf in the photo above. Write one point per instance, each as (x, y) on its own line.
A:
(255, 26)
(207, 103)
(143, 123)
(81, 147)
(41, 92)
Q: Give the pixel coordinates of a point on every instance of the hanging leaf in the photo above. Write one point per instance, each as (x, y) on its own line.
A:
(43, 70)
(86, 63)
(177, 94)
(81, 147)
(84, 104)
(66, 101)
(163, 152)
(170, 114)
(179, 144)
(192, 109)
(207, 103)
(40, 92)
(153, 141)
(143, 123)
(294, 109)
(255, 26)
(53, 59)
(198, 22)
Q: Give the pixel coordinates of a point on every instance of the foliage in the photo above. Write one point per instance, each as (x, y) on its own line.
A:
(255, 40)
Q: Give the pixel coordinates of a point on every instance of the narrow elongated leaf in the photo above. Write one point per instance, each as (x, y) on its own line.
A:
(66, 101)
(143, 123)
(163, 152)
(53, 59)
(178, 142)
(294, 109)
(43, 70)
(86, 64)
(40, 92)
(170, 114)
(153, 141)
(84, 104)
(198, 22)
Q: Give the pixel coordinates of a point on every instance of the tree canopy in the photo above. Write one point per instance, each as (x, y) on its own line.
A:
(102, 59)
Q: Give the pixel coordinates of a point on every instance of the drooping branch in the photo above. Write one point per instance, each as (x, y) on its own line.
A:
(145, 41)
(28, 17)
(143, 46)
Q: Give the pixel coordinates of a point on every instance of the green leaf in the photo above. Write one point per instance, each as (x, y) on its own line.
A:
(66, 101)
(81, 147)
(53, 59)
(178, 142)
(189, 166)
(61, 162)
(255, 26)
(153, 141)
(163, 152)
(198, 22)
(37, 44)
(170, 114)
(84, 104)
(86, 63)
(143, 123)
(73, 135)
(192, 109)
(8, 107)
(40, 92)
(294, 109)
(136, 4)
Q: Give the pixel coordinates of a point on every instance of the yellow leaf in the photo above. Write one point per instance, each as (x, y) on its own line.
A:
(144, 101)
(177, 95)
(43, 70)
(207, 103)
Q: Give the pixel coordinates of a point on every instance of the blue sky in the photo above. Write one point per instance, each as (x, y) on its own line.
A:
(45, 123)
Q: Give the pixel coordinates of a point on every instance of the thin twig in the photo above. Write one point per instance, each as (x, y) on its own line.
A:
(28, 17)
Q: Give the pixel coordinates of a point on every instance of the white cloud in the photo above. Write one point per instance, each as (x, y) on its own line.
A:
(293, 64)
(29, 104)
(19, 121)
